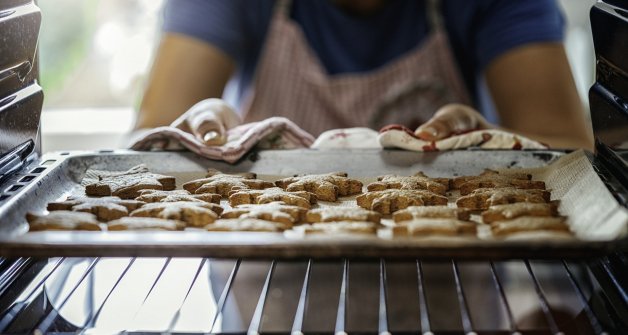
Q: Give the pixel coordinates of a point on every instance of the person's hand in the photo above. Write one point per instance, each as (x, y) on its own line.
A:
(451, 119)
(208, 121)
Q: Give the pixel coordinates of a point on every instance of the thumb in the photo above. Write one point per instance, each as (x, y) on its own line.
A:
(210, 132)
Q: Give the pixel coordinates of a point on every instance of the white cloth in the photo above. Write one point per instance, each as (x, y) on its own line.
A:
(403, 138)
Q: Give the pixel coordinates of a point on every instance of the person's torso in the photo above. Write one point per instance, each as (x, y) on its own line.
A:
(344, 43)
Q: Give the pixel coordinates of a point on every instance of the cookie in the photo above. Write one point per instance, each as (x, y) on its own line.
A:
(331, 214)
(483, 198)
(511, 211)
(194, 214)
(326, 187)
(416, 182)
(492, 179)
(338, 228)
(127, 184)
(246, 224)
(225, 184)
(432, 226)
(143, 223)
(528, 224)
(389, 201)
(456, 183)
(105, 208)
(62, 220)
(176, 195)
(434, 212)
(277, 211)
(302, 199)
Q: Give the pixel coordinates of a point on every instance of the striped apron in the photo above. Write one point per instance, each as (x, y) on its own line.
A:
(290, 81)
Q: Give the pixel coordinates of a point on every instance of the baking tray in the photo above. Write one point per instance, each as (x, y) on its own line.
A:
(60, 174)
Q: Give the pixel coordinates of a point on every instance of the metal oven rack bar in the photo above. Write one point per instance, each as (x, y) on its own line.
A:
(73, 295)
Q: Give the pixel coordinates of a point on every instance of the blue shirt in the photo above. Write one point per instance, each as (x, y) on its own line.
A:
(479, 31)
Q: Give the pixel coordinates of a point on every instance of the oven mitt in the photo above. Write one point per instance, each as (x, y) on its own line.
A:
(272, 133)
(396, 136)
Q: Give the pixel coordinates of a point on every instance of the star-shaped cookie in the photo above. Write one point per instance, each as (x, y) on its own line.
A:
(176, 195)
(434, 212)
(144, 223)
(62, 220)
(246, 224)
(434, 226)
(299, 198)
(225, 184)
(326, 187)
(105, 208)
(331, 214)
(392, 200)
(277, 211)
(338, 228)
(512, 211)
(194, 214)
(493, 179)
(529, 224)
(127, 184)
(417, 182)
(483, 198)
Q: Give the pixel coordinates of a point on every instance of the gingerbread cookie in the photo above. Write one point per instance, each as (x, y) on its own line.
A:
(432, 226)
(492, 179)
(277, 211)
(417, 182)
(528, 224)
(246, 224)
(105, 208)
(457, 182)
(331, 214)
(127, 184)
(144, 223)
(300, 198)
(338, 228)
(62, 220)
(434, 212)
(194, 214)
(389, 201)
(225, 184)
(511, 211)
(327, 187)
(176, 195)
(483, 198)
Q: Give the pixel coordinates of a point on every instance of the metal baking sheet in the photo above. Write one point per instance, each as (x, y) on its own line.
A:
(59, 174)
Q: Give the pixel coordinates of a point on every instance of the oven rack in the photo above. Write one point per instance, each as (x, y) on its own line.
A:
(59, 295)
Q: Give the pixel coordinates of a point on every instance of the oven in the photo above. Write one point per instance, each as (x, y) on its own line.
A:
(208, 283)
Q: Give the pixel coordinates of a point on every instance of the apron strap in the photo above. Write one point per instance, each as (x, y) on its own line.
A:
(283, 7)
(434, 15)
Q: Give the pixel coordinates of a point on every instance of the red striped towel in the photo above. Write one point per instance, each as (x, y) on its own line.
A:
(272, 133)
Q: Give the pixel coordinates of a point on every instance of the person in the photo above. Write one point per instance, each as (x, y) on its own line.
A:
(441, 67)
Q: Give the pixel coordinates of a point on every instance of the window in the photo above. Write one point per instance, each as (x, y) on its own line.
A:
(94, 57)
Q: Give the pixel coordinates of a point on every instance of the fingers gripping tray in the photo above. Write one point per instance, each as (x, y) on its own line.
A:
(596, 219)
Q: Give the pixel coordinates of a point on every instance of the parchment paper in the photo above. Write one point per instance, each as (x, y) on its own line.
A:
(593, 213)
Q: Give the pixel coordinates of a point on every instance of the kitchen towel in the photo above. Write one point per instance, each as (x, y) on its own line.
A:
(281, 133)
(396, 136)
(272, 133)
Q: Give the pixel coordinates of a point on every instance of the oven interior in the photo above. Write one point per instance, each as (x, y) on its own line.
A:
(384, 296)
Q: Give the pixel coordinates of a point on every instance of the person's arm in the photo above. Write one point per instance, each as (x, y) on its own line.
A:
(517, 47)
(535, 95)
(185, 71)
